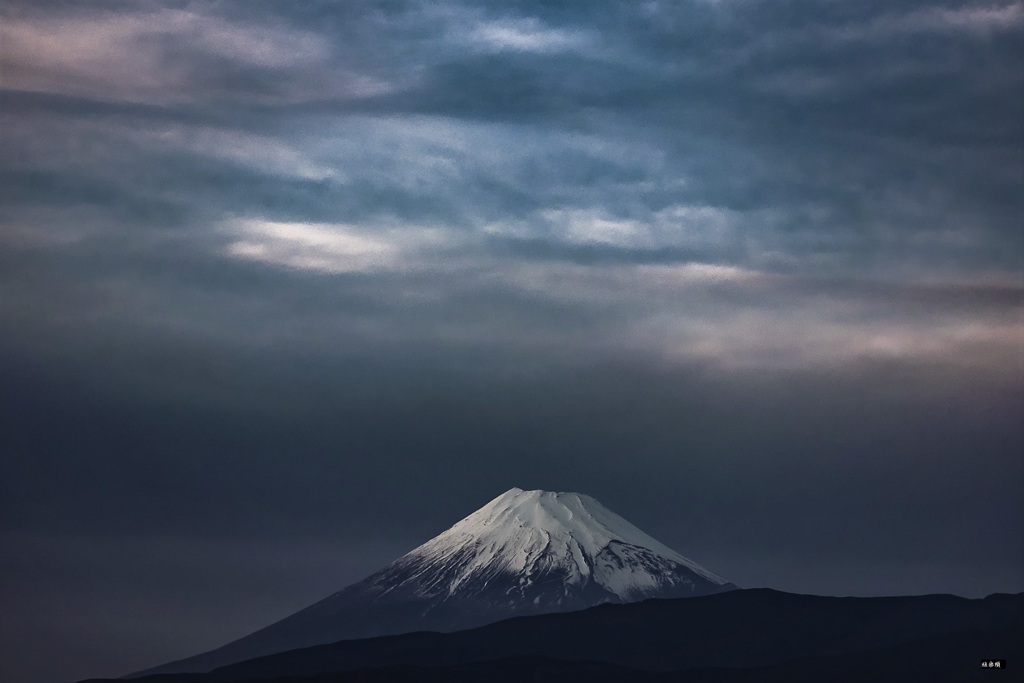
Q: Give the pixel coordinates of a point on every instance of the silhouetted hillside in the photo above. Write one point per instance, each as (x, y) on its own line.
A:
(739, 636)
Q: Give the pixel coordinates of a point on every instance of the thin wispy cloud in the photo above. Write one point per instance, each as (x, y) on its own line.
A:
(523, 35)
(161, 55)
(980, 20)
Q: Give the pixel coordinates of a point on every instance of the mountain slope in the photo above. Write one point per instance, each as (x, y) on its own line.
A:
(743, 628)
(525, 552)
(742, 635)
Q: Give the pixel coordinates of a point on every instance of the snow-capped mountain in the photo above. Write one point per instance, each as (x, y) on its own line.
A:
(551, 549)
(525, 552)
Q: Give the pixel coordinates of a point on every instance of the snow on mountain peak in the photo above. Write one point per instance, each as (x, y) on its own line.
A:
(527, 533)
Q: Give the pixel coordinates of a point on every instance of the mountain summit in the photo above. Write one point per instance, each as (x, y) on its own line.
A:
(525, 552)
(552, 550)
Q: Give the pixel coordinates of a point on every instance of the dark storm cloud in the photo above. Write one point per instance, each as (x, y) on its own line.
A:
(314, 280)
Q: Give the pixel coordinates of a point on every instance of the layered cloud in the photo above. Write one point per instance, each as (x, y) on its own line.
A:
(163, 55)
(552, 146)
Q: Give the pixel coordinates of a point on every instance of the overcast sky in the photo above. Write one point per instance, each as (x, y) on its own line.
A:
(288, 288)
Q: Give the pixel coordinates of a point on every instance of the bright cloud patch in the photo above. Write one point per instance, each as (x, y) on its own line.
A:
(523, 35)
(981, 19)
(977, 21)
(585, 227)
(323, 247)
(674, 226)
